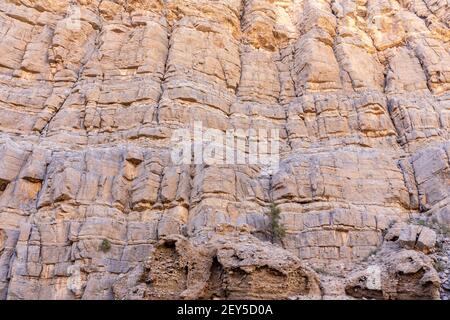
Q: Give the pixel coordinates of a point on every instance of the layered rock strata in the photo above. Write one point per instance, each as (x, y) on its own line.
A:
(91, 92)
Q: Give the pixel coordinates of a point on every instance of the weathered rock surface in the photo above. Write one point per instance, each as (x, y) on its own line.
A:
(226, 266)
(405, 274)
(91, 92)
(412, 236)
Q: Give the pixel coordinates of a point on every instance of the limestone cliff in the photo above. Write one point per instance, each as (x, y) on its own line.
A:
(92, 207)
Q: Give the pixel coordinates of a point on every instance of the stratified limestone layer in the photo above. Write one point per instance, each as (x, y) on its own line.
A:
(92, 90)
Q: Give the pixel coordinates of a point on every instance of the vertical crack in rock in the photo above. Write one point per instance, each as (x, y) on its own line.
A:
(166, 65)
(86, 59)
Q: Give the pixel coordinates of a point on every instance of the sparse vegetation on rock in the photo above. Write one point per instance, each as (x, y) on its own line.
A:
(105, 245)
(275, 229)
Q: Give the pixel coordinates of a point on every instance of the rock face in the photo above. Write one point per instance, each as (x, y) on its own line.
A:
(93, 207)
(401, 275)
(225, 267)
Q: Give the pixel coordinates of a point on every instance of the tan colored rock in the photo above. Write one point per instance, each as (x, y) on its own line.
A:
(427, 240)
(230, 267)
(404, 275)
(416, 236)
(92, 91)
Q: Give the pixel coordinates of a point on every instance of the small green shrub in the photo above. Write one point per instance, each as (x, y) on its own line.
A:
(439, 247)
(439, 266)
(106, 245)
(445, 230)
(322, 271)
(276, 230)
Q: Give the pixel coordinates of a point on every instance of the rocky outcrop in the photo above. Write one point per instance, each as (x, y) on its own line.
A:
(92, 91)
(405, 274)
(231, 266)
